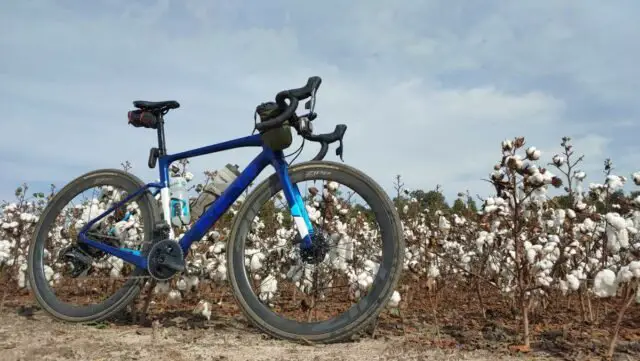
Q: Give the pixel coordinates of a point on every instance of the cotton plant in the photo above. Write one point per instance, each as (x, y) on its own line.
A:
(570, 227)
(516, 214)
(598, 237)
(17, 223)
(619, 279)
(439, 246)
(601, 241)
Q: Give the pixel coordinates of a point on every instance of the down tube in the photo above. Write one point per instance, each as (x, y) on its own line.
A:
(296, 204)
(220, 205)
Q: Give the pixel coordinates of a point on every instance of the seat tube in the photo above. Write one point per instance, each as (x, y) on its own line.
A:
(295, 201)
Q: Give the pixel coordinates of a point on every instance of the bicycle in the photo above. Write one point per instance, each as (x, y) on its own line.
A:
(162, 256)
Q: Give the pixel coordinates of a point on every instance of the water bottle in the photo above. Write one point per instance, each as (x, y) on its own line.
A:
(221, 180)
(180, 214)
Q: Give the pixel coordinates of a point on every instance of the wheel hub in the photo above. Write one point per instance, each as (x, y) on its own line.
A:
(317, 251)
(165, 259)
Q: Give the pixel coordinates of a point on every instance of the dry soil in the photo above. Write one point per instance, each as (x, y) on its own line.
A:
(35, 336)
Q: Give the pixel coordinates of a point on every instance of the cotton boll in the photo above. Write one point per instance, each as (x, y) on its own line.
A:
(22, 276)
(616, 220)
(560, 215)
(48, 274)
(268, 287)
(394, 301)
(371, 266)
(614, 182)
(174, 297)
(203, 308)
(605, 284)
(624, 275)
(256, 261)
(634, 267)
(490, 209)
(192, 282)
(182, 284)
(533, 153)
(481, 240)
(433, 272)
(219, 247)
(623, 239)
(221, 273)
(364, 280)
(558, 160)
(573, 282)
(536, 179)
(443, 224)
(215, 235)
(564, 287)
(161, 288)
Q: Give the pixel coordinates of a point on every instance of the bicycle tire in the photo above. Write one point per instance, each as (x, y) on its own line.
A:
(122, 297)
(358, 317)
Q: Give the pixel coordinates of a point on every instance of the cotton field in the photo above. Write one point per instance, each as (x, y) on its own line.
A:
(548, 231)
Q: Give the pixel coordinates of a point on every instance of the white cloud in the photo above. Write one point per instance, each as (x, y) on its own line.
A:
(427, 89)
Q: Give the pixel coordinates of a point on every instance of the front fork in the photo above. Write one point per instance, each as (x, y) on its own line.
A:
(296, 203)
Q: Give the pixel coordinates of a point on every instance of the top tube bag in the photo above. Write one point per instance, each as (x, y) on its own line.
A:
(278, 138)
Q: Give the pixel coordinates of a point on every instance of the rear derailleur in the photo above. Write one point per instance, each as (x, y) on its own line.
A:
(80, 257)
(77, 258)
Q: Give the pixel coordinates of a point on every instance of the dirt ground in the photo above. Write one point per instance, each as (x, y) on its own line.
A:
(32, 335)
(446, 326)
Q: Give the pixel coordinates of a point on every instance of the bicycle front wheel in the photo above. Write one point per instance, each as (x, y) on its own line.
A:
(261, 266)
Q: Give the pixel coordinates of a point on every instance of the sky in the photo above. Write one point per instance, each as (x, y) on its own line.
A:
(428, 89)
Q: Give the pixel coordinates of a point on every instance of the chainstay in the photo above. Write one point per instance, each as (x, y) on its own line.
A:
(111, 278)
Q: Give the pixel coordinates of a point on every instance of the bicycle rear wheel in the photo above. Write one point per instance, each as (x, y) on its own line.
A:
(77, 272)
(344, 229)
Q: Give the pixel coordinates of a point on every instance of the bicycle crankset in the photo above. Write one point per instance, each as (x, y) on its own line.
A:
(165, 259)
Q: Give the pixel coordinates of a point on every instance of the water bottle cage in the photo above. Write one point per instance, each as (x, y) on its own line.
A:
(154, 153)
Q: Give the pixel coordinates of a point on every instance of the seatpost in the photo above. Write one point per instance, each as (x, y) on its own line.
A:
(162, 148)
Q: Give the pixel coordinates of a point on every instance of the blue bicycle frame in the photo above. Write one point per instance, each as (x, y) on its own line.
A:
(221, 205)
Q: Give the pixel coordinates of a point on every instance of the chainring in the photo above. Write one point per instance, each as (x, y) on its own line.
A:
(164, 259)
